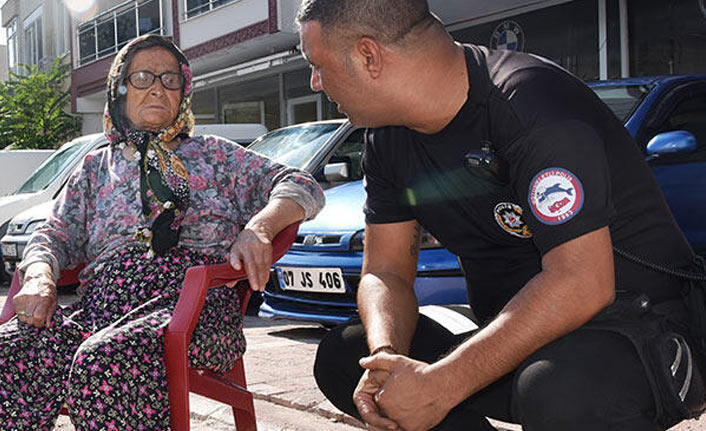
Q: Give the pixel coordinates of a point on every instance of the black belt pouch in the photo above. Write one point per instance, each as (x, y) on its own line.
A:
(672, 366)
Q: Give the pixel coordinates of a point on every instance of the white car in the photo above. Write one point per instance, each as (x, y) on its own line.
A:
(22, 212)
(45, 182)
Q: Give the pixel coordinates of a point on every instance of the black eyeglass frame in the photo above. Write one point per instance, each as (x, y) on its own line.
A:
(154, 76)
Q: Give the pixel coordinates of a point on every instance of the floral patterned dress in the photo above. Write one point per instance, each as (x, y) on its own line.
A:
(103, 355)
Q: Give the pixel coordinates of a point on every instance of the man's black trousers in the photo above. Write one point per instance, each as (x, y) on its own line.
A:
(591, 379)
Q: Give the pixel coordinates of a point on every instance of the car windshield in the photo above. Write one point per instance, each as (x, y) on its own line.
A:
(623, 99)
(52, 167)
(294, 146)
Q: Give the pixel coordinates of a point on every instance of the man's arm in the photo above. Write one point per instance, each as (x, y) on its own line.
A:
(386, 300)
(387, 305)
(576, 282)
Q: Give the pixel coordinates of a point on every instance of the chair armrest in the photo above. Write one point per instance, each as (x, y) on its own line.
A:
(199, 279)
(8, 310)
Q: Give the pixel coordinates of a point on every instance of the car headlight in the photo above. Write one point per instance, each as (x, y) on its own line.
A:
(428, 241)
(33, 226)
(357, 241)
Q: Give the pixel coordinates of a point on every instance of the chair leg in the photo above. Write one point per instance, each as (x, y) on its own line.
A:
(179, 417)
(244, 413)
(178, 389)
(245, 417)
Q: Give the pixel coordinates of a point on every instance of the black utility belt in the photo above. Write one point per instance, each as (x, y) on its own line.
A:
(661, 339)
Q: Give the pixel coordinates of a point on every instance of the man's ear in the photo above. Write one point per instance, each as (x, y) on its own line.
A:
(371, 54)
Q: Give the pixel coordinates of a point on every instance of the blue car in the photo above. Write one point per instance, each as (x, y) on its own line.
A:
(317, 279)
(667, 117)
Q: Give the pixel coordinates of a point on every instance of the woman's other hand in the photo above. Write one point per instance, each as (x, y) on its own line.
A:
(36, 303)
(252, 250)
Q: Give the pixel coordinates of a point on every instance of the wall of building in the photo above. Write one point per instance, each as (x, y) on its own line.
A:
(286, 13)
(571, 40)
(461, 13)
(665, 36)
(4, 73)
(216, 23)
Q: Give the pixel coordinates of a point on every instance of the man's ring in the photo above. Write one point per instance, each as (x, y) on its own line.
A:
(22, 313)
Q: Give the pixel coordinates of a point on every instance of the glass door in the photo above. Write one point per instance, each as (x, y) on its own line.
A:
(303, 109)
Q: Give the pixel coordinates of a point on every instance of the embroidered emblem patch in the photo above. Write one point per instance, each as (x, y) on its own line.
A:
(509, 217)
(555, 196)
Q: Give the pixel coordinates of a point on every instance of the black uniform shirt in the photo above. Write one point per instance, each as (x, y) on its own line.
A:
(572, 168)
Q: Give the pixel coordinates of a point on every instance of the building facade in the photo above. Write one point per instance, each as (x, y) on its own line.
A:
(248, 68)
(38, 31)
(241, 52)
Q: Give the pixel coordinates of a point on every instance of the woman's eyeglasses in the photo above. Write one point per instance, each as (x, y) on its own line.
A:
(143, 79)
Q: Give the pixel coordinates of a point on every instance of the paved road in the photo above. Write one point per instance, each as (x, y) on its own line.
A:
(278, 366)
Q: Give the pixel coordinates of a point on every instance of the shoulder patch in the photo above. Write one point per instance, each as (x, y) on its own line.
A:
(555, 196)
(509, 217)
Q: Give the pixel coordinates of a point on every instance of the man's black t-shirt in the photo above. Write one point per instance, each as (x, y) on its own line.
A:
(572, 168)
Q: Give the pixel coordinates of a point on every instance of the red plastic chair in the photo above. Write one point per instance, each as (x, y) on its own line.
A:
(229, 388)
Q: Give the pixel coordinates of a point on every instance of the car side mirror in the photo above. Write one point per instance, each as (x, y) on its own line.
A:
(668, 143)
(318, 174)
(337, 172)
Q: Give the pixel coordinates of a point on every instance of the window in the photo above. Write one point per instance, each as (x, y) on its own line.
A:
(296, 84)
(303, 109)
(149, 17)
(623, 100)
(111, 30)
(244, 112)
(570, 40)
(197, 7)
(685, 110)
(86, 44)
(63, 24)
(33, 46)
(666, 37)
(350, 153)
(105, 35)
(12, 45)
(689, 115)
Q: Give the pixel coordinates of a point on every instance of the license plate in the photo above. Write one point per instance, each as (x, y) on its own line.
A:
(9, 250)
(318, 280)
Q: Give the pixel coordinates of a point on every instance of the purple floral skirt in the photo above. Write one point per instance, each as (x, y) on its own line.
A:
(103, 355)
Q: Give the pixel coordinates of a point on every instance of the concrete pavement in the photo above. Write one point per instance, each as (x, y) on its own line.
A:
(278, 365)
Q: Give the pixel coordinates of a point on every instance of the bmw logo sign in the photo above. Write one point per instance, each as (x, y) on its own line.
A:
(702, 5)
(509, 35)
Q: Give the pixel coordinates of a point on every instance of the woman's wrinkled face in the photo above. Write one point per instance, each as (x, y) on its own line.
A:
(156, 107)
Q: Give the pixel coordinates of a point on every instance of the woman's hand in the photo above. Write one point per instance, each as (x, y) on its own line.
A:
(36, 303)
(252, 250)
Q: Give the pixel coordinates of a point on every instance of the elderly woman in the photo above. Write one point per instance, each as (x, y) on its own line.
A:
(139, 213)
